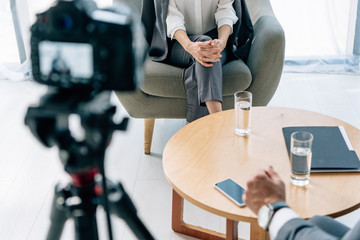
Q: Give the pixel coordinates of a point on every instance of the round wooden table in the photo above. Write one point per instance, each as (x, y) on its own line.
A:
(208, 151)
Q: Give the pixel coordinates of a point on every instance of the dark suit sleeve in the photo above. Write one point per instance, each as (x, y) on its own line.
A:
(148, 18)
(153, 17)
(240, 40)
(300, 229)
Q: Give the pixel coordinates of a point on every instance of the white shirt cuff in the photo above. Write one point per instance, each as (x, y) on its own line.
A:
(279, 219)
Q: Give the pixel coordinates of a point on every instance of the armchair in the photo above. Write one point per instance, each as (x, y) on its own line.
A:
(162, 94)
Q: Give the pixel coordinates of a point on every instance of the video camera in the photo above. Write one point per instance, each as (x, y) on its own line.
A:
(82, 51)
(76, 45)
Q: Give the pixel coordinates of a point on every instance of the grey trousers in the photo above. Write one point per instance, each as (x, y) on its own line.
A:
(201, 83)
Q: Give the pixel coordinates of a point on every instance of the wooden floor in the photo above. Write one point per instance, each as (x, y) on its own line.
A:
(29, 171)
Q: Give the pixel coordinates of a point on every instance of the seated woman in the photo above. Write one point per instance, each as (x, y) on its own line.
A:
(199, 31)
(199, 36)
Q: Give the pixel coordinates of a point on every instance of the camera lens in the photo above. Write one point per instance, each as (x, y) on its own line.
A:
(64, 22)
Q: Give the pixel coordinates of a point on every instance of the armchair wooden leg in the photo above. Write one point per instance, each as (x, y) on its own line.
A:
(148, 134)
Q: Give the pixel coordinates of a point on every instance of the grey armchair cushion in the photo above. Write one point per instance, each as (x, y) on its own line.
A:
(164, 80)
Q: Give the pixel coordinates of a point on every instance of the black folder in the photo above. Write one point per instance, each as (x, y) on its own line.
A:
(331, 149)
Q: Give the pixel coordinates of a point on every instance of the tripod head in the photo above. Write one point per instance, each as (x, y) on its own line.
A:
(49, 123)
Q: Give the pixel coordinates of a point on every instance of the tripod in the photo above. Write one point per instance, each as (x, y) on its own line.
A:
(84, 161)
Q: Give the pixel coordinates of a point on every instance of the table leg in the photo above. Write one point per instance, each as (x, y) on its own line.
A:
(178, 224)
(257, 232)
(231, 229)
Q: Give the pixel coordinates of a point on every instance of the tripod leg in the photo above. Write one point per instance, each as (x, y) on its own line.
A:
(83, 211)
(85, 227)
(81, 207)
(58, 214)
(122, 206)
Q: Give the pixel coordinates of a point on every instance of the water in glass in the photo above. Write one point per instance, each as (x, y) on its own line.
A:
(242, 118)
(300, 166)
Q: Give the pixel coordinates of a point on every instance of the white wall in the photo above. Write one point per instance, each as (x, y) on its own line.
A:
(8, 47)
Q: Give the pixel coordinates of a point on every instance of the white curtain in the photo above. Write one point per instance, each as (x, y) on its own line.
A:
(320, 35)
(14, 19)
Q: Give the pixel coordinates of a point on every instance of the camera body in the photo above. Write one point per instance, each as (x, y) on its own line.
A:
(76, 45)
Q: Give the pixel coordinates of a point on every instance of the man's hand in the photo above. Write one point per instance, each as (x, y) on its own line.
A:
(264, 188)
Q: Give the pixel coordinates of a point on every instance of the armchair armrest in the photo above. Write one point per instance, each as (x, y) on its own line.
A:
(259, 8)
(266, 57)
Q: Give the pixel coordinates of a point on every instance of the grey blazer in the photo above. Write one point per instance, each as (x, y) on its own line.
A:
(300, 229)
(153, 16)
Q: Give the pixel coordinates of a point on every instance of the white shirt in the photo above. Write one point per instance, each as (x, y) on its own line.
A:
(199, 16)
(279, 219)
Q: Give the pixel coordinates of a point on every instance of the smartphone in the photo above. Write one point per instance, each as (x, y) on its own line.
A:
(232, 190)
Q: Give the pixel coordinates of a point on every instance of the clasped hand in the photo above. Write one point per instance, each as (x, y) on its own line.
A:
(208, 52)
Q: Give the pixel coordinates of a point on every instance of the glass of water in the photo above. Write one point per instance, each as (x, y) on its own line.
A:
(300, 157)
(243, 102)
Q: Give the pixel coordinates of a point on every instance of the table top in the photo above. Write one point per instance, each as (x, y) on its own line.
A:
(208, 151)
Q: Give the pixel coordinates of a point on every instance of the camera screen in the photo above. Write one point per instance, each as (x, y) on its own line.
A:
(64, 58)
